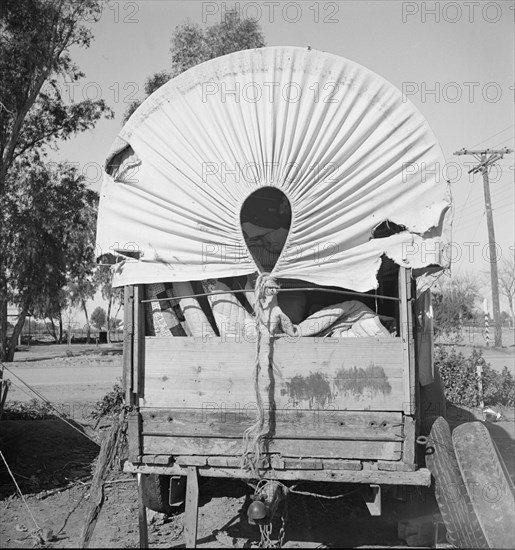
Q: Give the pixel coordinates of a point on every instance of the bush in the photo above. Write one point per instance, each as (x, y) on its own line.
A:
(111, 404)
(461, 384)
(499, 387)
(31, 410)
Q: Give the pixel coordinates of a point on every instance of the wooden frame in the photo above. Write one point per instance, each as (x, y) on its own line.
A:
(189, 421)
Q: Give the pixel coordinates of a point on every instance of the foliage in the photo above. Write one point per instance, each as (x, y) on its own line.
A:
(115, 323)
(461, 383)
(32, 410)
(34, 60)
(152, 83)
(37, 111)
(99, 318)
(111, 404)
(499, 387)
(453, 305)
(507, 280)
(48, 213)
(192, 45)
(104, 280)
(80, 286)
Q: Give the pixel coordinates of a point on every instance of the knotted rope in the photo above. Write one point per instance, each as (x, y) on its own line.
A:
(264, 292)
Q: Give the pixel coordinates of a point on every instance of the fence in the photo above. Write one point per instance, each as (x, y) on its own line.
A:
(473, 334)
(33, 333)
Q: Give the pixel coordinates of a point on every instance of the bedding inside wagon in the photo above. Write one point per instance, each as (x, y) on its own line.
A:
(225, 308)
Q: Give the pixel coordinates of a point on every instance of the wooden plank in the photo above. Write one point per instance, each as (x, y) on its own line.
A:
(395, 466)
(408, 342)
(371, 450)
(364, 374)
(224, 461)
(355, 465)
(302, 464)
(234, 461)
(191, 460)
(191, 508)
(163, 460)
(142, 516)
(409, 446)
(134, 436)
(139, 326)
(219, 421)
(128, 343)
(382, 477)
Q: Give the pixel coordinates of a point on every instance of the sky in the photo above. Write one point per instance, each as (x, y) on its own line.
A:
(453, 60)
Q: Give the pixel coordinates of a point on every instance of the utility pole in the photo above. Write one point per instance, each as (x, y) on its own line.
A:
(485, 158)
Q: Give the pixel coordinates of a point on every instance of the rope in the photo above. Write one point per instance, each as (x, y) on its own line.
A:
(318, 495)
(294, 289)
(38, 529)
(266, 286)
(55, 409)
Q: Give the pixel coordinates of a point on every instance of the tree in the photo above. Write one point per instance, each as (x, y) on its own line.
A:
(35, 41)
(80, 285)
(104, 280)
(152, 83)
(454, 303)
(50, 307)
(99, 318)
(46, 209)
(507, 281)
(192, 44)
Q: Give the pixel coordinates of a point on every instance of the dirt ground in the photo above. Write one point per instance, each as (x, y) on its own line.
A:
(53, 463)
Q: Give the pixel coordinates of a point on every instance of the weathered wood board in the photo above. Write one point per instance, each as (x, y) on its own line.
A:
(283, 424)
(308, 373)
(308, 448)
(380, 477)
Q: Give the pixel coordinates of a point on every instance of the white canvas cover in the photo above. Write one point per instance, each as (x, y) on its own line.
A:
(341, 142)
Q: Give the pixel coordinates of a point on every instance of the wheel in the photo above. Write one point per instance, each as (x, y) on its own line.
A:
(461, 522)
(162, 493)
(489, 486)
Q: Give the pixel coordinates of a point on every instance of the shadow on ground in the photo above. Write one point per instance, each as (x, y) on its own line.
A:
(43, 454)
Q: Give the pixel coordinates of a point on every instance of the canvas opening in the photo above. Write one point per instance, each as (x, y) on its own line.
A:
(265, 219)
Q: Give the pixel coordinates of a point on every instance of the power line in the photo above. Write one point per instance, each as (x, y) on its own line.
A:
(503, 195)
(485, 140)
(476, 207)
(465, 204)
(478, 225)
(505, 142)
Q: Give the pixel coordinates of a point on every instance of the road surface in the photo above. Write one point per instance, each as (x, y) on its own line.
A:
(71, 382)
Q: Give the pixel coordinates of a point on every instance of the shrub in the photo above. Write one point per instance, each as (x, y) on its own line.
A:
(461, 384)
(499, 387)
(111, 404)
(31, 410)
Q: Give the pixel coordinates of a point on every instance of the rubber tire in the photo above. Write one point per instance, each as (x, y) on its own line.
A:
(461, 522)
(156, 493)
(481, 467)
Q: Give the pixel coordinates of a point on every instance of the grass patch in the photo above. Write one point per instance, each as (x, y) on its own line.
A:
(30, 410)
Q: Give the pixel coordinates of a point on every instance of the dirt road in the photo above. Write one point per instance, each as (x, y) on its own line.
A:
(53, 464)
(66, 380)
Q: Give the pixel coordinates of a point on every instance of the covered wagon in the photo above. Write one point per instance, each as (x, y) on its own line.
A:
(269, 212)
